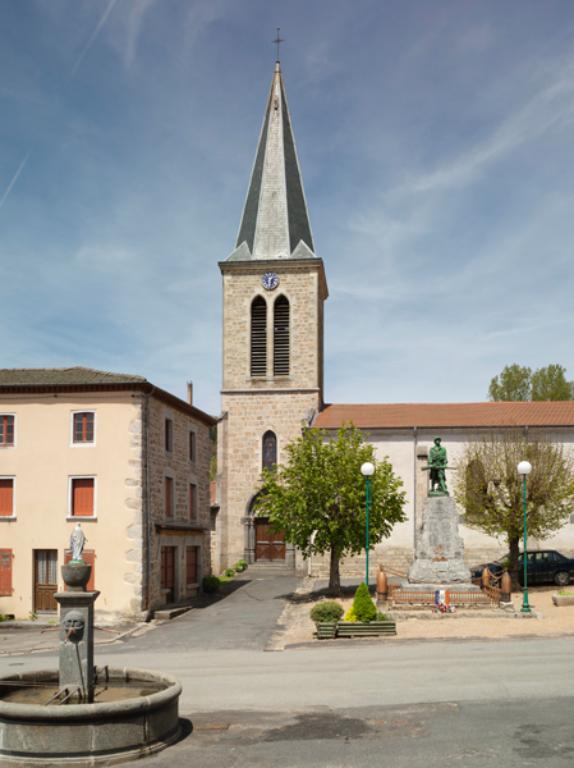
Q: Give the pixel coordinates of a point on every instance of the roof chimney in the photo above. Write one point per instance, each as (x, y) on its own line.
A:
(190, 392)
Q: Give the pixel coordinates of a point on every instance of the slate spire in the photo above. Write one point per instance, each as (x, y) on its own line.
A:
(275, 223)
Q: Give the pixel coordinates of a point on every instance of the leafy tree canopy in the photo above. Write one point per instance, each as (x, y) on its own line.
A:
(517, 382)
(318, 496)
(489, 488)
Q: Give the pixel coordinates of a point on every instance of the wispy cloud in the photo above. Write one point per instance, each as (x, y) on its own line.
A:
(92, 38)
(14, 179)
(137, 14)
(552, 105)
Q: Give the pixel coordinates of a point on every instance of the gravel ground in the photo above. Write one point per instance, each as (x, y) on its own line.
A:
(547, 620)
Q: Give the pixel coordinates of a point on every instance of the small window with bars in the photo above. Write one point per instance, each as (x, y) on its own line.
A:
(83, 428)
(281, 337)
(6, 430)
(259, 337)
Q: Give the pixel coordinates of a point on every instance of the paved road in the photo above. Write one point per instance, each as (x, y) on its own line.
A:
(355, 703)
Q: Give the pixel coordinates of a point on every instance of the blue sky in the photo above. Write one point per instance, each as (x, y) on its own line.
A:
(436, 141)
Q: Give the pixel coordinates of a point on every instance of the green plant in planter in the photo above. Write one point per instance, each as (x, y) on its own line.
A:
(229, 573)
(326, 612)
(210, 584)
(363, 606)
(240, 566)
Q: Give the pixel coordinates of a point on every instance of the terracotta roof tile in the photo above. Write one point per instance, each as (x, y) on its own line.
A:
(405, 415)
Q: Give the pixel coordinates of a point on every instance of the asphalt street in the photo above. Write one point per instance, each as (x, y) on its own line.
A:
(350, 703)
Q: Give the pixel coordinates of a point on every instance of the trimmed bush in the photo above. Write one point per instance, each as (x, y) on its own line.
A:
(383, 616)
(210, 584)
(363, 605)
(351, 615)
(229, 573)
(326, 612)
(240, 566)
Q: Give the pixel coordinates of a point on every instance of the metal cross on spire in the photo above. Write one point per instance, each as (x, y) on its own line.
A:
(278, 40)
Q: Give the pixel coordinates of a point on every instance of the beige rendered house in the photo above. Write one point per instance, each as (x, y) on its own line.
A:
(125, 459)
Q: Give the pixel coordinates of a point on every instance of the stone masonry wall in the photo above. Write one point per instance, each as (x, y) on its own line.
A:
(177, 465)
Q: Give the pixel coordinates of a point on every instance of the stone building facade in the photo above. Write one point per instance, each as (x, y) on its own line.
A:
(274, 287)
(109, 451)
(275, 257)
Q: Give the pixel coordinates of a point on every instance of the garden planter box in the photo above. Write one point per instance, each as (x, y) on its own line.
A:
(561, 600)
(370, 629)
(326, 630)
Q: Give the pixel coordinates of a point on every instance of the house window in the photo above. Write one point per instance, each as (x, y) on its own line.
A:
(192, 446)
(6, 572)
(168, 435)
(169, 497)
(6, 430)
(191, 566)
(281, 337)
(6, 496)
(83, 427)
(259, 337)
(269, 452)
(192, 501)
(82, 496)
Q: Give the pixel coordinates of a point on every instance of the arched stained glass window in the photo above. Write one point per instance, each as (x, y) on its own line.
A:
(258, 337)
(269, 450)
(281, 337)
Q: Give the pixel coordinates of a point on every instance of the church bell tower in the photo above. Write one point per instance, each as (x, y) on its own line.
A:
(274, 287)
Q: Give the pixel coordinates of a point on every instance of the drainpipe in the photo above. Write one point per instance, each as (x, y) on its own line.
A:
(415, 522)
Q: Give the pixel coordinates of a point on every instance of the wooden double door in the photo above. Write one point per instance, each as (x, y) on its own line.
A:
(269, 544)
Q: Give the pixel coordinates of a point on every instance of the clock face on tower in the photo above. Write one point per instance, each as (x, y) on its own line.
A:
(270, 281)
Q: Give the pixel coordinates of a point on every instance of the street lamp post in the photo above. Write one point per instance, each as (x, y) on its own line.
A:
(367, 470)
(524, 468)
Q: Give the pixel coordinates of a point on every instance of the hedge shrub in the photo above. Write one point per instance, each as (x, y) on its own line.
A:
(210, 584)
(327, 611)
(240, 566)
(363, 606)
(229, 573)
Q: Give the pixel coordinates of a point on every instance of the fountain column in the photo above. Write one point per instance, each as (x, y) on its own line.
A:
(76, 653)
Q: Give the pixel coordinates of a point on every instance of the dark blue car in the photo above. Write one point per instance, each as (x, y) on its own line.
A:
(545, 566)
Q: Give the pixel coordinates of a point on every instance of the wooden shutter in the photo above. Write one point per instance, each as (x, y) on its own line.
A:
(169, 496)
(6, 497)
(83, 496)
(191, 565)
(89, 557)
(259, 337)
(5, 572)
(281, 337)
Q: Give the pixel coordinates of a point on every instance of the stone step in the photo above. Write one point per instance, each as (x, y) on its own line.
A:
(165, 614)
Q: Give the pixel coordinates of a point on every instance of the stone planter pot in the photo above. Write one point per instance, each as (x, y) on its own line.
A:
(562, 600)
(76, 576)
(366, 629)
(326, 630)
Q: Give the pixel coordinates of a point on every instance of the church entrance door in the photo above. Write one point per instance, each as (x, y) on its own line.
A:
(269, 544)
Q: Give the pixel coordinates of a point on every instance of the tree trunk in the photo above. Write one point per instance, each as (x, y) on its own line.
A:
(513, 543)
(334, 575)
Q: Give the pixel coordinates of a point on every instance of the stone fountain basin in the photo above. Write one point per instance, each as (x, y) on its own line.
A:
(80, 735)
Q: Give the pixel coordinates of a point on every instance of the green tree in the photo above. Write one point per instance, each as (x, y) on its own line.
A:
(318, 497)
(517, 382)
(489, 489)
(550, 384)
(513, 383)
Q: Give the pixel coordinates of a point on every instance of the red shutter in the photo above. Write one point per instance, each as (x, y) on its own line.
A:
(6, 572)
(6, 498)
(83, 496)
(89, 557)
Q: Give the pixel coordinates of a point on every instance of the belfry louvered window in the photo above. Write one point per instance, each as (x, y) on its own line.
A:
(281, 337)
(258, 337)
